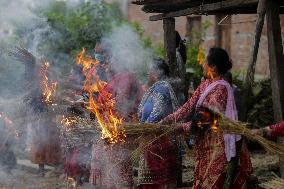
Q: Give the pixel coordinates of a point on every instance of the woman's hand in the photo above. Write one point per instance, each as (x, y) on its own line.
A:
(257, 132)
(262, 132)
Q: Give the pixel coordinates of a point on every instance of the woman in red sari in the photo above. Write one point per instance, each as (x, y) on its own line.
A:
(220, 162)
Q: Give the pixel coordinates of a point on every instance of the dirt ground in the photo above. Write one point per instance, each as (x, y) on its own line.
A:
(24, 176)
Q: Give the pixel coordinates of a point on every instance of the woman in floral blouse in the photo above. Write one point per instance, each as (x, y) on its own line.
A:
(222, 160)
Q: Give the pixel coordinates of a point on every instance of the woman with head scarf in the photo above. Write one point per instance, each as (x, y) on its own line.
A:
(222, 161)
(158, 164)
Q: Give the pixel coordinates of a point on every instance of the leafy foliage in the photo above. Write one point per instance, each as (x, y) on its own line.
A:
(260, 112)
(77, 27)
(193, 48)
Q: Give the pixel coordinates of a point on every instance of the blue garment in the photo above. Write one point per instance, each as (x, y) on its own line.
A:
(158, 102)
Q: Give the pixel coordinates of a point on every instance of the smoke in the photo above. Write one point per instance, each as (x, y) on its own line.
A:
(127, 51)
(21, 25)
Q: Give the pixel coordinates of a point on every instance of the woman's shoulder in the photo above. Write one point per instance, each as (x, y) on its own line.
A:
(162, 87)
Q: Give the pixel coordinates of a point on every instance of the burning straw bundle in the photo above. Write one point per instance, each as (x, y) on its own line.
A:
(224, 124)
(157, 130)
(273, 184)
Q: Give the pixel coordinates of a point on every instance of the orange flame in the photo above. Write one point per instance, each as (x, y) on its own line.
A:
(48, 88)
(101, 102)
(201, 56)
(214, 126)
(210, 73)
(68, 121)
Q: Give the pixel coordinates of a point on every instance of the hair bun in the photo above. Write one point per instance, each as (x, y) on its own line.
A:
(219, 57)
(229, 65)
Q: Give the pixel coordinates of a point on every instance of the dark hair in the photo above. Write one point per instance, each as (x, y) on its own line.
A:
(219, 57)
(181, 47)
(228, 77)
(161, 66)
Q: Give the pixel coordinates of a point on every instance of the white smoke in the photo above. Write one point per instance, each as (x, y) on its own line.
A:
(124, 45)
(127, 51)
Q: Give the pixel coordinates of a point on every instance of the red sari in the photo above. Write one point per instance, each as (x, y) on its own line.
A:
(277, 130)
(211, 162)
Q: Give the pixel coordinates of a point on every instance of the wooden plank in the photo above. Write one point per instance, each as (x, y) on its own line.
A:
(203, 9)
(276, 64)
(261, 10)
(170, 44)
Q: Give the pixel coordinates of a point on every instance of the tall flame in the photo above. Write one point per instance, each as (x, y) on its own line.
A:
(101, 102)
(48, 87)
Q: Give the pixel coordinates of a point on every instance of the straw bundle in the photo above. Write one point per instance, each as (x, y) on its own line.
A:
(235, 127)
(273, 184)
(224, 124)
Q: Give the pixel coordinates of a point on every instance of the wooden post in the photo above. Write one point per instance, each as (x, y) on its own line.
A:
(218, 31)
(170, 44)
(223, 32)
(261, 10)
(193, 28)
(226, 33)
(276, 64)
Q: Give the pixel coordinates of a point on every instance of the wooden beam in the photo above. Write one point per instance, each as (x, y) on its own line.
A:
(147, 2)
(203, 9)
(261, 10)
(165, 7)
(170, 44)
(276, 64)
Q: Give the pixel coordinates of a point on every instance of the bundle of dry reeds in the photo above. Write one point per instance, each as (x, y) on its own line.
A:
(273, 184)
(226, 125)
(235, 127)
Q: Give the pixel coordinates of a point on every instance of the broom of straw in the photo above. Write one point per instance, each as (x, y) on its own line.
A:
(234, 127)
(273, 184)
(226, 125)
